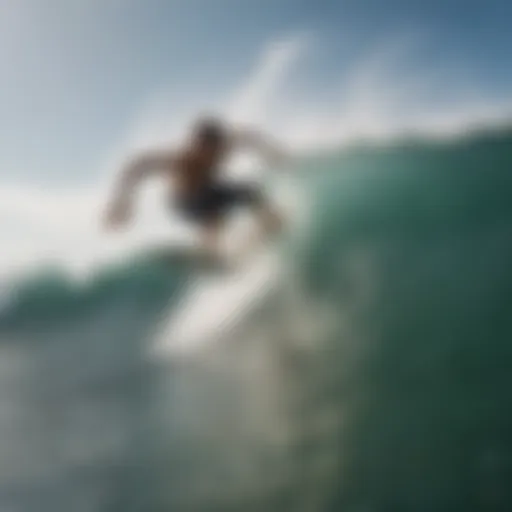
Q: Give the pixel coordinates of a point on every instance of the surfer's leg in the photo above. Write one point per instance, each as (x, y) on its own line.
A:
(268, 223)
(210, 240)
(250, 196)
(270, 220)
(210, 236)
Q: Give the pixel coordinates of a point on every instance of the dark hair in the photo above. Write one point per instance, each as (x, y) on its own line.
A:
(210, 131)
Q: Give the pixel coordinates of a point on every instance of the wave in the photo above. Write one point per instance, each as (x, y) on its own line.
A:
(374, 373)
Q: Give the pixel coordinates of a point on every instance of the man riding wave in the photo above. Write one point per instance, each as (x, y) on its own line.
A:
(201, 195)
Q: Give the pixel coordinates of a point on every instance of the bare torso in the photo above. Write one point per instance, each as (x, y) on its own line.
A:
(190, 171)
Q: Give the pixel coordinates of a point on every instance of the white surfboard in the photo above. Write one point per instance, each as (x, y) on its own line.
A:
(218, 301)
(215, 304)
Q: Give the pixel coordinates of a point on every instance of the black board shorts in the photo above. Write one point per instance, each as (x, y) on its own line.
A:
(214, 201)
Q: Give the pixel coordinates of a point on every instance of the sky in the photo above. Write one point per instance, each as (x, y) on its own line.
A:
(83, 83)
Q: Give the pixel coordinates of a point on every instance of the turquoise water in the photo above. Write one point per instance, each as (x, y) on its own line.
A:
(375, 375)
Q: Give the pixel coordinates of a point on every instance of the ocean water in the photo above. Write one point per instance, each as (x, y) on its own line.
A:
(373, 374)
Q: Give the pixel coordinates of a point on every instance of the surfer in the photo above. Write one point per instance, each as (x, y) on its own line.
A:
(200, 195)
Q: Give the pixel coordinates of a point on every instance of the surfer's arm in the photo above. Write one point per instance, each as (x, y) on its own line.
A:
(267, 148)
(137, 170)
(142, 167)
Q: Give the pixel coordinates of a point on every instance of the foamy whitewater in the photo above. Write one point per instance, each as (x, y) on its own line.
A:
(361, 364)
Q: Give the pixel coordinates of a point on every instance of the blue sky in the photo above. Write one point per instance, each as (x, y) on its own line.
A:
(76, 72)
(83, 81)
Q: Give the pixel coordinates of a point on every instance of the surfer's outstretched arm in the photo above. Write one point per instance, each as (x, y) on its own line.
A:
(131, 176)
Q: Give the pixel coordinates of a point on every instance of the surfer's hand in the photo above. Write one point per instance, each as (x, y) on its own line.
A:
(117, 215)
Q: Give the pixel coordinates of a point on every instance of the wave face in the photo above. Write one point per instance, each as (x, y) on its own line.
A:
(374, 374)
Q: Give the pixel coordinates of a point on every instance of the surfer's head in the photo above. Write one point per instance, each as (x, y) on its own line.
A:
(209, 135)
